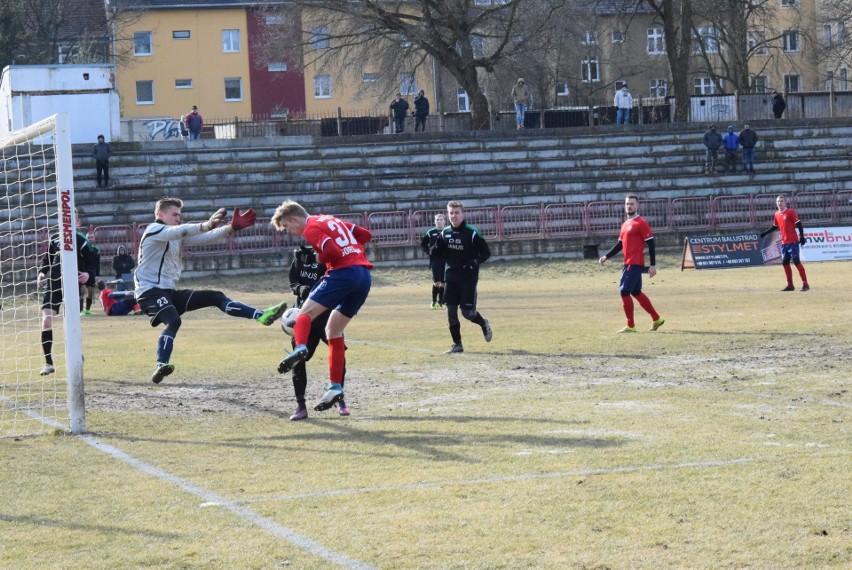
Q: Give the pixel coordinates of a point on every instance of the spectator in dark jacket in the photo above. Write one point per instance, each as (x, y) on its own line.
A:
(400, 110)
(194, 123)
(101, 153)
(712, 140)
(421, 111)
(778, 104)
(748, 139)
(123, 265)
(731, 140)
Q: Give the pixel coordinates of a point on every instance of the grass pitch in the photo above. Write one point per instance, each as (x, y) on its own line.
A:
(720, 441)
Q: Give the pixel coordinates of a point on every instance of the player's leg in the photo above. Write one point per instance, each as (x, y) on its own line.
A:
(797, 261)
(201, 299)
(438, 271)
(51, 302)
(159, 305)
(452, 300)
(301, 333)
(468, 308)
(122, 307)
(787, 255)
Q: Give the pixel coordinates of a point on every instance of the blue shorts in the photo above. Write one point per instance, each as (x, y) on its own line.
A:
(631, 280)
(790, 251)
(343, 289)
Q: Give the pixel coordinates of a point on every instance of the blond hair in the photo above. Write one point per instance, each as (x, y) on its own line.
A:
(286, 210)
(164, 203)
(455, 204)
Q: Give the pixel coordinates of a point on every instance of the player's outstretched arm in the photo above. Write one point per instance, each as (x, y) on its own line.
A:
(801, 229)
(362, 235)
(214, 221)
(768, 231)
(615, 249)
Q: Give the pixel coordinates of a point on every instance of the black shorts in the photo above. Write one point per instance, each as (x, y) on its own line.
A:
(438, 266)
(155, 301)
(52, 298)
(91, 281)
(461, 293)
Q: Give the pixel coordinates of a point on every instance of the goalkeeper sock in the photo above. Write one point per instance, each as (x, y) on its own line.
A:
(788, 271)
(336, 359)
(165, 345)
(645, 303)
(801, 269)
(627, 304)
(455, 332)
(47, 346)
(237, 309)
(302, 329)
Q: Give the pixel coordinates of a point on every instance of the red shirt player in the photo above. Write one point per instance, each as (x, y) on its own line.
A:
(117, 304)
(342, 290)
(787, 221)
(635, 233)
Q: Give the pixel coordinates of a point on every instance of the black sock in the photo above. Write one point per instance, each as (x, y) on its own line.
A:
(455, 332)
(478, 320)
(47, 346)
(435, 290)
(88, 303)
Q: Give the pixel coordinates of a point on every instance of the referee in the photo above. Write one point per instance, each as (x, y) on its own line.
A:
(464, 248)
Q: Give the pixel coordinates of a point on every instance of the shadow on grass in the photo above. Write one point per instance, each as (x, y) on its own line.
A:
(25, 519)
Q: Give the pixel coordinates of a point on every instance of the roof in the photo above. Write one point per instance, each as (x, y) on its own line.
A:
(621, 7)
(183, 4)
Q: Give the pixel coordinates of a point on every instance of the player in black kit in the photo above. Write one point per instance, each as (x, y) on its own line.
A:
(305, 271)
(437, 262)
(464, 248)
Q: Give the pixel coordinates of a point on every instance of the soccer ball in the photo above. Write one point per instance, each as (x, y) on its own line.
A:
(288, 320)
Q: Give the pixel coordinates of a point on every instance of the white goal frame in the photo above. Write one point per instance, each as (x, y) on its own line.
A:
(66, 222)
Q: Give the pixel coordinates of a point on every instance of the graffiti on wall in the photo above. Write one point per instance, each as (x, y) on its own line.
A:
(163, 129)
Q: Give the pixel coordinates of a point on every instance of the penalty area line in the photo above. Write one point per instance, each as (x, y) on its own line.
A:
(211, 498)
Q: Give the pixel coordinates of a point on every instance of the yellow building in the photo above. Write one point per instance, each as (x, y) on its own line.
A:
(178, 58)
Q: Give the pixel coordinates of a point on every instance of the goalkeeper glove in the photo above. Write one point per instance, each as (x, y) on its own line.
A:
(214, 220)
(242, 221)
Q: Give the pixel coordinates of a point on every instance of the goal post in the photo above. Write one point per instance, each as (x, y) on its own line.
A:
(38, 205)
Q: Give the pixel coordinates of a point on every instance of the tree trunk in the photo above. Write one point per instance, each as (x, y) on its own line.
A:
(480, 116)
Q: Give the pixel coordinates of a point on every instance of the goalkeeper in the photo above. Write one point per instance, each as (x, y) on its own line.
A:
(305, 271)
(159, 271)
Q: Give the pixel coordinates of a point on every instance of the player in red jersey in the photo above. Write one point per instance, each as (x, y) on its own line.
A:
(635, 233)
(118, 303)
(343, 289)
(787, 220)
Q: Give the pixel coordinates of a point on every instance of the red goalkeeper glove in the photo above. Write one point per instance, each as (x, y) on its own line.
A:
(242, 221)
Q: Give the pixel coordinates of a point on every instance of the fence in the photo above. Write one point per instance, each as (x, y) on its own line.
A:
(507, 223)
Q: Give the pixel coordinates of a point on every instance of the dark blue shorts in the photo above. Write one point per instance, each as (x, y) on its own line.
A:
(790, 251)
(343, 289)
(631, 279)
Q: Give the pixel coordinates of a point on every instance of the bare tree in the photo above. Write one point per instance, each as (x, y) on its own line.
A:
(466, 39)
(835, 18)
(676, 17)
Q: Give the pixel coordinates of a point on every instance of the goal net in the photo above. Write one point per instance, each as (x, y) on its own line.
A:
(37, 205)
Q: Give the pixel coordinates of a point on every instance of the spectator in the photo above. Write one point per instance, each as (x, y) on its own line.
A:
(123, 265)
(399, 107)
(778, 104)
(748, 139)
(194, 123)
(520, 95)
(712, 140)
(731, 140)
(623, 102)
(421, 111)
(101, 153)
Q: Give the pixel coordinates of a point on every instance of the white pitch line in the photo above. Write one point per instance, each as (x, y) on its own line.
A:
(502, 479)
(210, 497)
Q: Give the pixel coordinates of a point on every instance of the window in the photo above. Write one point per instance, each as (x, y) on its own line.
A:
(829, 80)
(477, 45)
(230, 41)
(233, 89)
(562, 89)
(142, 43)
(370, 77)
(842, 80)
(408, 84)
(757, 42)
(707, 37)
(659, 88)
(464, 101)
(590, 38)
(319, 38)
(144, 92)
(404, 42)
(482, 2)
(589, 70)
(183, 83)
(788, 3)
(760, 84)
(791, 83)
(656, 41)
(618, 36)
(322, 86)
(274, 20)
(826, 35)
(841, 33)
(280, 113)
(704, 86)
(180, 35)
(791, 40)
(276, 66)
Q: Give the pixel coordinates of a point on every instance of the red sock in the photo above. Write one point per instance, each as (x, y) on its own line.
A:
(645, 302)
(302, 329)
(788, 271)
(627, 303)
(336, 359)
(801, 268)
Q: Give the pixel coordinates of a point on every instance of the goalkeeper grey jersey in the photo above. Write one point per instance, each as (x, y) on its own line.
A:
(160, 253)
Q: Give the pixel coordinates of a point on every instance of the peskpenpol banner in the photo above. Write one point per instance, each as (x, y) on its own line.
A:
(749, 249)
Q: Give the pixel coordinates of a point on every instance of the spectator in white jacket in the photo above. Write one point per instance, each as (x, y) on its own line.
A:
(623, 102)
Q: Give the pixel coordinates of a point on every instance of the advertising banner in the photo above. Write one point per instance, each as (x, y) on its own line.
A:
(828, 244)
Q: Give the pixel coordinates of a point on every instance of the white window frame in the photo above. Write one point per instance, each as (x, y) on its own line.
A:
(177, 34)
(760, 84)
(590, 38)
(408, 83)
(145, 102)
(703, 85)
(322, 87)
(563, 89)
(757, 42)
(239, 81)
(477, 45)
(792, 41)
(319, 37)
(618, 36)
(182, 84)
(656, 44)
(788, 83)
(707, 37)
(139, 35)
(463, 100)
(276, 66)
(656, 85)
(589, 65)
(230, 37)
(369, 77)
